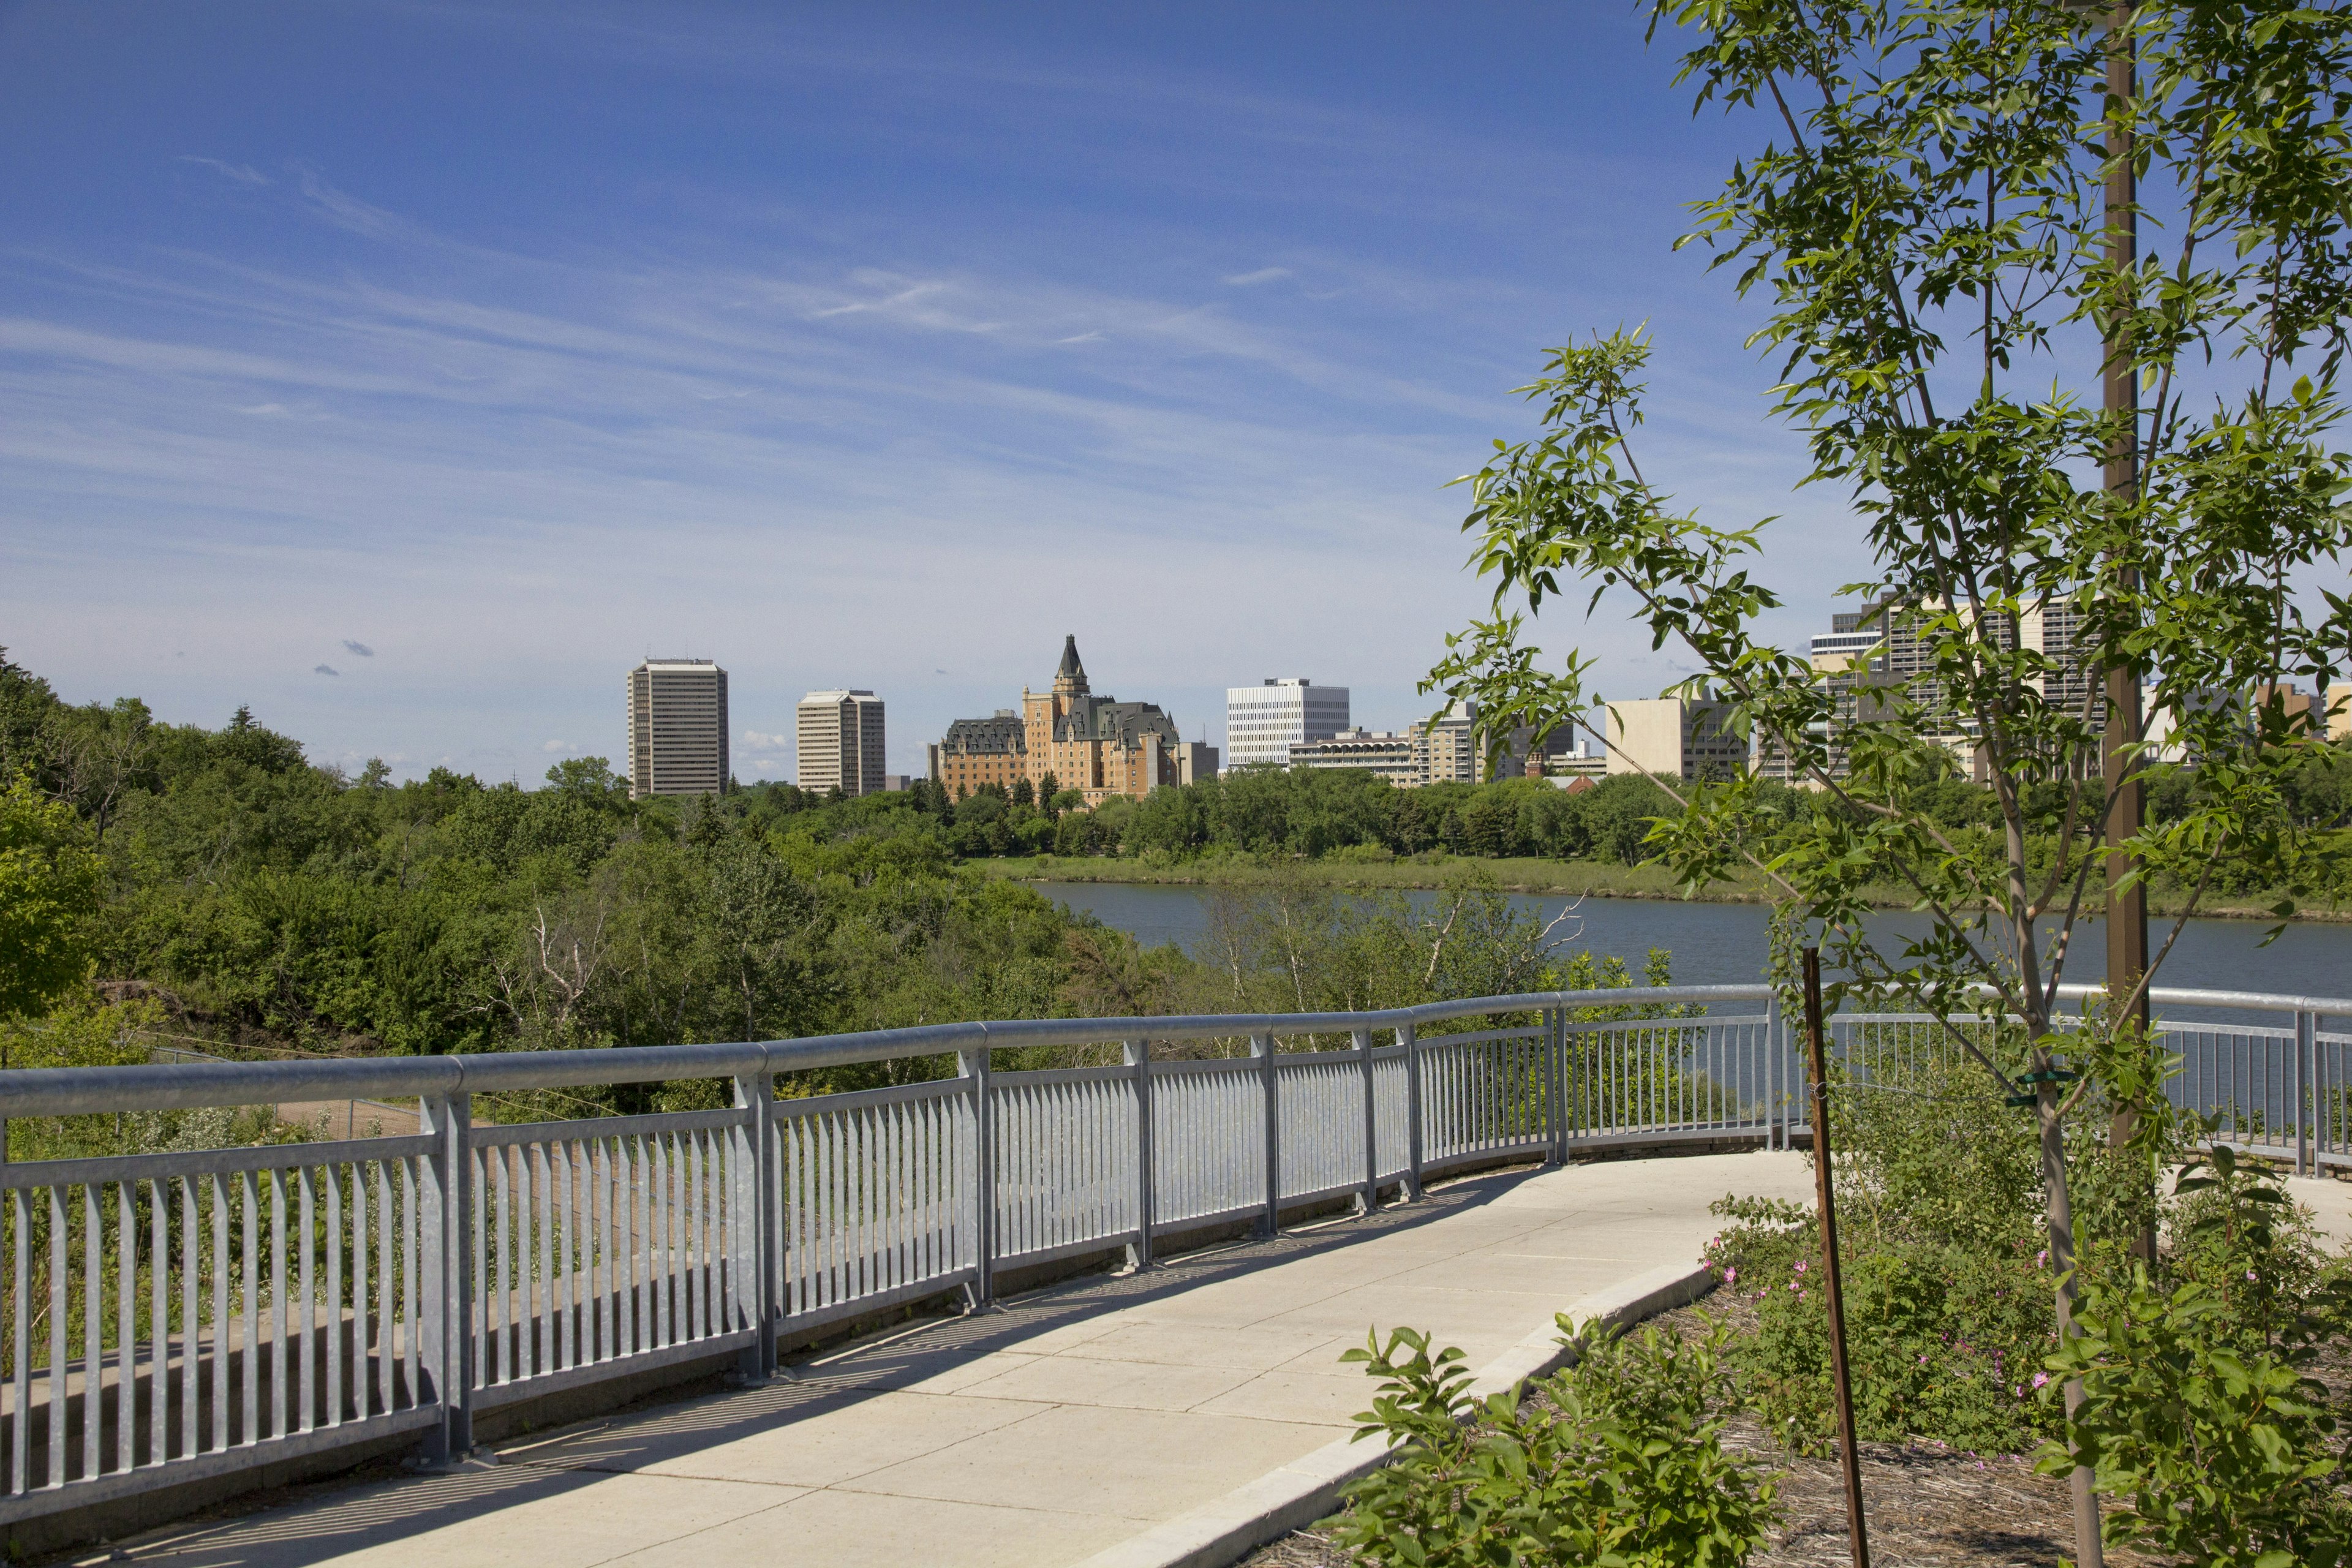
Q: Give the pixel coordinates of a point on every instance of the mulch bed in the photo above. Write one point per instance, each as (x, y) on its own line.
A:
(1927, 1507)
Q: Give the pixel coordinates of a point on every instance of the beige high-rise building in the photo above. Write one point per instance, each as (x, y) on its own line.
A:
(841, 746)
(677, 728)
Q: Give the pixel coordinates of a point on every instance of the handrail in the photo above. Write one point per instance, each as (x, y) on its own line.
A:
(486, 1265)
(78, 1091)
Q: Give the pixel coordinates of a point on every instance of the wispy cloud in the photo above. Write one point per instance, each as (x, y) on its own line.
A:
(759, 740)
(1263, 275)
(243, 175)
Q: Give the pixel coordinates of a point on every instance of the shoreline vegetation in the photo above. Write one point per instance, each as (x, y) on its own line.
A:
(1514, 874)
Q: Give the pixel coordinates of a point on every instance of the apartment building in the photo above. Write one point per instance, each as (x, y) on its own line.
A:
(1676, 738)
(1264, 722)
(677, 728)
(841, 742)
(1389, 754)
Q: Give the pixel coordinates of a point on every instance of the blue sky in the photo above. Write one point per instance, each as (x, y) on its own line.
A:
(471, 352)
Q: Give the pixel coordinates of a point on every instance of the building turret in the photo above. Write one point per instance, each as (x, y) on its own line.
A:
(1070, 679)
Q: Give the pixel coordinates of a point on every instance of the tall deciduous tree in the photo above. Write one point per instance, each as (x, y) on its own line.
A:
(48, 891)
(1927, 218)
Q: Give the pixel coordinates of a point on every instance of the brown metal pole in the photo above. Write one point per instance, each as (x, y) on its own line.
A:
(1825, 1189)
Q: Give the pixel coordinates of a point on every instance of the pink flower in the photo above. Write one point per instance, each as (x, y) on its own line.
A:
(2040, 1378)
(2042, 1257)
(1800, 1266)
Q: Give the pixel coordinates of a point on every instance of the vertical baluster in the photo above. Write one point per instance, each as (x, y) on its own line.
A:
(625, 1191)
(159, 1325)
(539, 1177)
(304, 1317)
(250, 1193)
(567, 1325)
(334, 1325)
(475, 1303)
(220, 1315)
(411, 1283)
(20, 1342)
(58, 1363)
(665, 1228)
(593, 1326)
(363, 1356)
(93, 1318)
(387, 1274)
(281, 1386)
(126, 1342)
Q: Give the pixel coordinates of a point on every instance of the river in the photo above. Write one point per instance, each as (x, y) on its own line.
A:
(1716, 944)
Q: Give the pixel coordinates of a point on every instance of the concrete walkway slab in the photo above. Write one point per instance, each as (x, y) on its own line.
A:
(1098, 1417)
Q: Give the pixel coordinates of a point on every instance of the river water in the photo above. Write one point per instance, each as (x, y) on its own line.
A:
(1718, 944)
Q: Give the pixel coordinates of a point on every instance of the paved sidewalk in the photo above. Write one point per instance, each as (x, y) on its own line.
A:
(1071, 1420)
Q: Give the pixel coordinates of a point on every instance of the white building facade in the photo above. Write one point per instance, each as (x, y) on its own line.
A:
(840, 735)
(677, 728)
(1264, 722)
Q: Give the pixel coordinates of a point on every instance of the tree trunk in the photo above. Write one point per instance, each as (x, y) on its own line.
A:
(2089, 1552)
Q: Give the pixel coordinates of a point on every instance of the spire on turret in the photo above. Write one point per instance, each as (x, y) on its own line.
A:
(1070, 678)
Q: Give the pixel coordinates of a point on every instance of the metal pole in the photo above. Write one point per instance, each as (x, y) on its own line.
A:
(1410, 1041)
(1372, 1198)
(1139, 1060)
(1555, 1108)
(1262, 1048)
(974, 1067)
(755, 1189)
(2306, 1102)
(446, 1299)
(1825, 1189)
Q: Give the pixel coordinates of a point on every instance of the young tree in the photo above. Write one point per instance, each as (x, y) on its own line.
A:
(1931, 220)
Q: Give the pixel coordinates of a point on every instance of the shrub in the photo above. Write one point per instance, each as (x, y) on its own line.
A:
(1619, 1460)
(2226, 1454)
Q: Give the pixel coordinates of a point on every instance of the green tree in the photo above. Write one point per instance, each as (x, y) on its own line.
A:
(50, 885)
(1928, 216)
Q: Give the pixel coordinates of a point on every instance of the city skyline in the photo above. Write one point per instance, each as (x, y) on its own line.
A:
(357, 355)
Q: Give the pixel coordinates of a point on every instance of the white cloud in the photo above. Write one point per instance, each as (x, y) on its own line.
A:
(241, 173)
(552, 747)
(1263, 275)
(759, 741)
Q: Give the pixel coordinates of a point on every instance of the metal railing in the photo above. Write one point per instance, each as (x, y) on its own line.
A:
(177, 1315)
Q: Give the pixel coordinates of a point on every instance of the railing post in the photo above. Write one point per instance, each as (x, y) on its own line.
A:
(1776, 1131)
(974, 1065)
(1262, 1048)
(1372, 1198)
(2307, 1105)
(1139, 1061)
(1555, 1110)
(1411, 1040)
(758, 1229)
(446, 1298)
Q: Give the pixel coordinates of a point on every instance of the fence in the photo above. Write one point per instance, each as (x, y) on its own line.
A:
(179, 1315)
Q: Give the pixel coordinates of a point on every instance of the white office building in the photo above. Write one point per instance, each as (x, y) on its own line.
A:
(1264, 722)
(677, 728)
(841, 742)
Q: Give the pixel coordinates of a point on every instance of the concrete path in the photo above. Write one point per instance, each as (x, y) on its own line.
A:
(1069, 1421)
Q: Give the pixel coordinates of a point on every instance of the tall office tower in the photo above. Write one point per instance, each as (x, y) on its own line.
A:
(841, 742)
(1264, 722)
(677, 728)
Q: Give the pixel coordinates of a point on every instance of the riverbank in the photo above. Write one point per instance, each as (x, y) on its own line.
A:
(1517, 874)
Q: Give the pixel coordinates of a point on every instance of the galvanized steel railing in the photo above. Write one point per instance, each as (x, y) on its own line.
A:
(174, 1316)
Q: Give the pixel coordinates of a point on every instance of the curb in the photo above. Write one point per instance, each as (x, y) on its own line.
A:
(1306, 1489)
